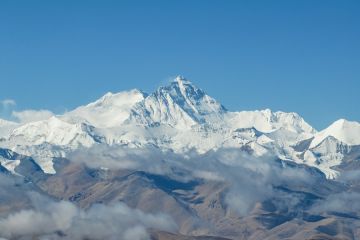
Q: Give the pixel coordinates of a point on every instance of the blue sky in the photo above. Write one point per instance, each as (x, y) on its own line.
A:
(301, 56)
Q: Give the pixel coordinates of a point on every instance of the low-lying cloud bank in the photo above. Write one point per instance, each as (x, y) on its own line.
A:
(49, 219)
(250, 179)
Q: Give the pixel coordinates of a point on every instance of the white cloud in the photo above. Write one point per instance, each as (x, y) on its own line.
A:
(32, 115)
(6, 103)
(208, 175)
(63, 220)
(251, 179)
(339, 202)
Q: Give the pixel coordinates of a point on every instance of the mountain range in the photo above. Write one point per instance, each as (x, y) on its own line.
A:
(180, 152)
(181, 117)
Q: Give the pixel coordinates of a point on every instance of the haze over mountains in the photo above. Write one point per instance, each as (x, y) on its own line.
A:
(177, 156)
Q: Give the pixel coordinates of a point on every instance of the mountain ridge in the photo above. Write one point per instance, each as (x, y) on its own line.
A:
(179, 117)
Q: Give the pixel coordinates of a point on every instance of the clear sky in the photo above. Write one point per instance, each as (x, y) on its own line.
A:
(301, 56)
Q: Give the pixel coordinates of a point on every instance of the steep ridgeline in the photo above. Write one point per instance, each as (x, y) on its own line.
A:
(180, 105)
(181, 117)
(328, 148)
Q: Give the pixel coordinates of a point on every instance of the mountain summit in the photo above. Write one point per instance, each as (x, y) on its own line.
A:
(345, 131)
(179, 104)
(111, 110)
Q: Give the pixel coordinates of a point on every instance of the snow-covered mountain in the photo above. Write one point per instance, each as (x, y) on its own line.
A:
(268, 121)
(180, 117)
(53, 131)
(180, 105)
(328, 148)
(111, 110)
(345, 131)
(47, 139)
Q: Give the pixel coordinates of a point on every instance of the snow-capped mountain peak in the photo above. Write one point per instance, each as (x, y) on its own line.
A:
(179, 104)
(345, 131)
(53, 131)
(119, 99)
(181, 80)
(188, 95)
(110, 110)
(268, 121)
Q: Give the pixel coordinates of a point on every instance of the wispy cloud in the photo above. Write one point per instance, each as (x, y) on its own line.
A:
(31, 115)
(7, 110)
(6, 107)
(6, 103)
